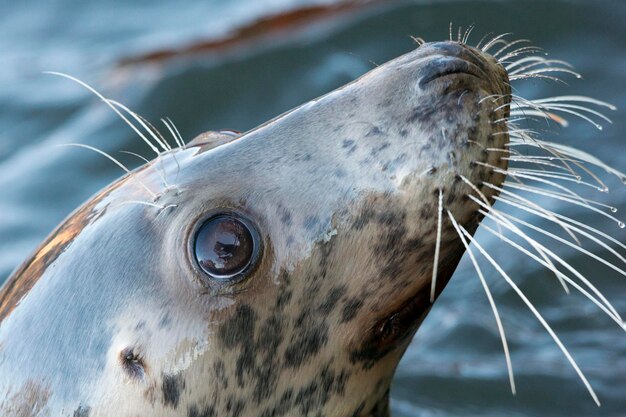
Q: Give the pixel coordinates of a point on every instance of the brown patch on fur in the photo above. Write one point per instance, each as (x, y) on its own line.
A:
(30, 271)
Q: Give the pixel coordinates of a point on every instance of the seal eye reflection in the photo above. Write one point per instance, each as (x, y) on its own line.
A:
(226, 247)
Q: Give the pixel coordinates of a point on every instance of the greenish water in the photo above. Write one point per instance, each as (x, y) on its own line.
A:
(455, 366)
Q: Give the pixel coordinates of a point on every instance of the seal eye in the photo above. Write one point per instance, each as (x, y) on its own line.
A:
(225, 247)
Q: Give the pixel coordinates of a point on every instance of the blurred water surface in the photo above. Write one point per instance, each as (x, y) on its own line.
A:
(455, 366)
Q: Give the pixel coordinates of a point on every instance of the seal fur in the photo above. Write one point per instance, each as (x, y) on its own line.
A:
(115, 318)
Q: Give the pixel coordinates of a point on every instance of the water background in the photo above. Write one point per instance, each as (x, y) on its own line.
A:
(455, 366)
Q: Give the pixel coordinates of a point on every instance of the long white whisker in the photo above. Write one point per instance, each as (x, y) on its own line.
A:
(573, 283)
(536, 313)
(108, 103)
(433, 282)
(109, 157)
(492, 303)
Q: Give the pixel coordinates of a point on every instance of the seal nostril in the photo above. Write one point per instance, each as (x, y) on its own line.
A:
(132, 363)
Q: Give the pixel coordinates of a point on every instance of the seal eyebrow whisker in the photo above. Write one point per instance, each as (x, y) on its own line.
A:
(174, 132)
(108, 103)
(144, 123)
(161, 174)
(433, 282)
(492, 303)
(535, 312)
(146, 203)
(118, 163)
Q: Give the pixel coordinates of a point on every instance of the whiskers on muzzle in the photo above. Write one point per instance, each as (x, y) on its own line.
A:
(539, 170)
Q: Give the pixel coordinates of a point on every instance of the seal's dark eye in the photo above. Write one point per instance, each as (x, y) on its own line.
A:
(225, 246)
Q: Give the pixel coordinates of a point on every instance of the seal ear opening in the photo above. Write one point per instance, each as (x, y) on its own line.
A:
(212, 139)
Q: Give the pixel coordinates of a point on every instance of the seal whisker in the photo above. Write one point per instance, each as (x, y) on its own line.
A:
(533, 173)
(539, 59)
(578, 248)
(160, 173)
(494, 309)
(536, 313)
(146, 203)
(418, 40)
(575, 226)
(477, 191)
(537, 63)
(556, 154)
(538, 76)
(482, 40)
(535, 176)
(550, 214)
(111, 158)
(547, 70)
(180, 138)
(608, 310)
(601, 301)
(108, 103)
(582, 155)
(509, 45)
(162, 143)
(489, 44)
(433, 285)
(522, 51)
(468, 32)
(487, 208)
(545, 193)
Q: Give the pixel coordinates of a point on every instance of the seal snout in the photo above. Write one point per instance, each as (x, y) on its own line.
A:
(455, 59)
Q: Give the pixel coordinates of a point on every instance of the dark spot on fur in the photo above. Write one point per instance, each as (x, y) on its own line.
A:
(82, 411)
(374, 131)
(132, 363)
(205, 412)
(171, 388)
(351, 308)
(332, 298)
(306, 343)
(285, 216)
(239, 329)
(376, 150)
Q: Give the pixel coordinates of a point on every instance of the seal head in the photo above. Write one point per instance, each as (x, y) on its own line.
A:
(279, 272)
